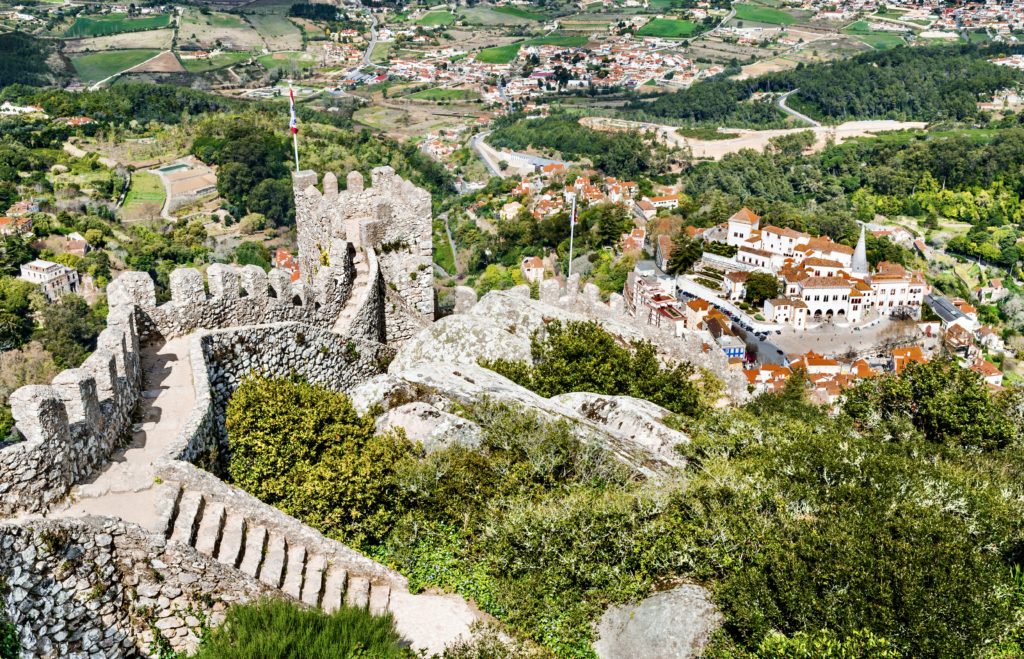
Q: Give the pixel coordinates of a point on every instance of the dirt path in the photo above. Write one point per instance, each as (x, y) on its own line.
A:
(125, 486)
(752, 139)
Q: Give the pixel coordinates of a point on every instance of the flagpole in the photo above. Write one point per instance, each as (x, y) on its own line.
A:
(572, 231)
(293, 124)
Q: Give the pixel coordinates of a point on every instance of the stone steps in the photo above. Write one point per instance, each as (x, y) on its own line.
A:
(357, 295)
(303, 573)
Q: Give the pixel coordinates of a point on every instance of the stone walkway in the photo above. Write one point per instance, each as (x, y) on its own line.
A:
(124, 488)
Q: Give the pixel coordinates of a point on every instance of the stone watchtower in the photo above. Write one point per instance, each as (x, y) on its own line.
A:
(387, 228)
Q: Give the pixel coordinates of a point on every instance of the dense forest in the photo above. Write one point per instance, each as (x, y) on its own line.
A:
(892, 529)
(924, 84)
(29, 61)
(625, 155)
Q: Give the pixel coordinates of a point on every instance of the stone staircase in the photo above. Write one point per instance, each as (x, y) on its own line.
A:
(305, 573)
(356, 298)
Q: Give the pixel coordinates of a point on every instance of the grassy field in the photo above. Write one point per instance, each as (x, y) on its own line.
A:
(380, 52)
(519, 12)
(667, 27)
(433, 18)
(297, 59)
(498, 54)
(763, 15)
(445, 95)
(97, 66)
(98, 26)
(507, 53)
(145, 198)
(215, 62)
(488, 17)
(277, 31)
(220, 19)
(877, 39)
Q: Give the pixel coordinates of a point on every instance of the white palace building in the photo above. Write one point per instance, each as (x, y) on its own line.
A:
(821, 279)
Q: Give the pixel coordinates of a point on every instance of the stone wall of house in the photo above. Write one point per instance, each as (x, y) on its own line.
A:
(66, 429)
(392, 216)
(221, 359)
(97, 587)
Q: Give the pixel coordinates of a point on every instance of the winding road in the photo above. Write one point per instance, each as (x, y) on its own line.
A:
(373, 38)
(793, 113)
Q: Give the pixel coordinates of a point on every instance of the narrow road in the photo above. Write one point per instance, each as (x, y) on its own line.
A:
(373, 38)
(793, 113)
(484, 152)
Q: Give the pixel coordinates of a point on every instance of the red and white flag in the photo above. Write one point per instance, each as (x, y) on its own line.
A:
(293, 123)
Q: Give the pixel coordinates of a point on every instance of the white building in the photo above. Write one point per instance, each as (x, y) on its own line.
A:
(741, 225)
(56, 280)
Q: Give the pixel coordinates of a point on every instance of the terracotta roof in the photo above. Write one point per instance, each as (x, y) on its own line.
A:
(824, 282)
(825, 244)
(698, 304)
(901, 357)
(533, 262)
(827, 263)
(746, 216)
(985, 368)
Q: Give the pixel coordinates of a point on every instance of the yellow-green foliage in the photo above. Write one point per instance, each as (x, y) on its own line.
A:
(305, 450)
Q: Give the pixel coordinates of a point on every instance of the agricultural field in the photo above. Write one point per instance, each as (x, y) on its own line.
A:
(760, 14)
(145, 198)
(216, 62)
(519, 12)
(877, 39)
(507, 53)
(277, 31)
(434, 18)
(380, 52)
(490, 17)
(98, 26)
(287, 60)
(440, 94)
(124, 41)
(98, 66)
(671, 28)
(204, 31)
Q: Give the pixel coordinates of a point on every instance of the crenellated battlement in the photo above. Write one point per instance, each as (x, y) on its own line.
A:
(391, 217)
(70, 426)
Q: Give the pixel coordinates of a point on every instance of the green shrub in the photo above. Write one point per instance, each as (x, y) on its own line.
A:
(274, 628)
(305, 450)
(10, 646)
(582, 356)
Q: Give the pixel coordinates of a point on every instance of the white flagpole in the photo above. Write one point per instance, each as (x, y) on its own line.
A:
(294, 125)
(572, 231)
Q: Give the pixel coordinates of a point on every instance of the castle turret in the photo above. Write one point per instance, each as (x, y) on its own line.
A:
(860, 256)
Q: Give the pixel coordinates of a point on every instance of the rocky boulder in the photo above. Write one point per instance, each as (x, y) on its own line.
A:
(435, 428)
(674, 624)
(640, 420)
(461, 339)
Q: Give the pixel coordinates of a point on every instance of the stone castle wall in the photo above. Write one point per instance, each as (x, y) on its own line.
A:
(70, 426)
(97, 587)
(231, 297)
(94, 587)
(392, 217)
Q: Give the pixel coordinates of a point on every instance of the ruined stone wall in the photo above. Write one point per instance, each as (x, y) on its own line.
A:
(232, 297)
(392, 216)
(69, 427)
(97, 587)
(221, 359)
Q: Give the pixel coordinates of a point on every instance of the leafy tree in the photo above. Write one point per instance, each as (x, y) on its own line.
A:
(272, 198)
(16, 297)
(947, 404)
(68, 329)
(15, 252)
(305, 450)
(685, 253)
(249, 252)
(761, 286)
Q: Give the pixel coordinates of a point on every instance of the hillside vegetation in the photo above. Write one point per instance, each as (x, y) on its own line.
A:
(891, 530)
(924, 84)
